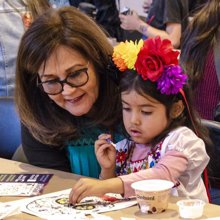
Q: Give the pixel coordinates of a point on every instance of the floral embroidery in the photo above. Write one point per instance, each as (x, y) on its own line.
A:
(121, 156)
(125, 165)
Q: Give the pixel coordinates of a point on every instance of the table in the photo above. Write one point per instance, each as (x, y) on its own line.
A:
(63, 180)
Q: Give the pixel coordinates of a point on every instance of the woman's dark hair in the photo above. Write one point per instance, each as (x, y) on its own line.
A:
(68, 27)
(198, 39)
(130, 80)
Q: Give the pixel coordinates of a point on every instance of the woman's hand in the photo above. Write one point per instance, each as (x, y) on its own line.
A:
(93, 187)
(105, 152)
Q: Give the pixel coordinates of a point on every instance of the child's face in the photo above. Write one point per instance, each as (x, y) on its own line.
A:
(144, 117)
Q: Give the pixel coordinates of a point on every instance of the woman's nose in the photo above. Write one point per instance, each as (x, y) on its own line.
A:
(67, 89)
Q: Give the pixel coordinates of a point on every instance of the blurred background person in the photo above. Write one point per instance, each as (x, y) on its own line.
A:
(199, 53)
(106, 16)
(59, 3)
(146, 5)
(165, 18)
(15, 18)
(12, 27)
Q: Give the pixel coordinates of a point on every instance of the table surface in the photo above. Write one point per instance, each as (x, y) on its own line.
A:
(63, 180)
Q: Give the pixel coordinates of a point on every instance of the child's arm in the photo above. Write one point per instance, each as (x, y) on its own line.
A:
(105, 153)
(184, 161)
(170, 167)
(87, 187)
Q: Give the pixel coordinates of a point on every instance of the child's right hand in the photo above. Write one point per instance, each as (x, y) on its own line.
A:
(105, 152)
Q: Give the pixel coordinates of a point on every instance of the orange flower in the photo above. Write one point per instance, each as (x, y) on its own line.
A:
(119, 62)
(117, 56)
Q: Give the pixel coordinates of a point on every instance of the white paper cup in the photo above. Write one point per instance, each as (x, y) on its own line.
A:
(191, 208)
(152, 195)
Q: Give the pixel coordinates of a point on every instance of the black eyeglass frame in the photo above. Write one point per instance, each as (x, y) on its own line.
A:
(61, 82)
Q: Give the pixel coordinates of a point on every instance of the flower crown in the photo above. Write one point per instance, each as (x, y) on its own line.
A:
(153, 59)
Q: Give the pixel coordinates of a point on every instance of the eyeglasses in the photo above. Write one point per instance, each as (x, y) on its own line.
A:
(55, 86)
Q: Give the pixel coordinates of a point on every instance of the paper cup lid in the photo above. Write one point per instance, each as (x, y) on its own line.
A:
(152, 185)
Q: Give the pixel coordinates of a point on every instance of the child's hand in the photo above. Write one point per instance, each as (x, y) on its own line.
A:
(86, 187)
(93, 187)
(105, 152)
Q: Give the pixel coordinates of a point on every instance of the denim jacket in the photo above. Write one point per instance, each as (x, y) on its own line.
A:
(59, 3)
(11, 30)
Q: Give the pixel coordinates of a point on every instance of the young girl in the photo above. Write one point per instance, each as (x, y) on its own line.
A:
(160, 123)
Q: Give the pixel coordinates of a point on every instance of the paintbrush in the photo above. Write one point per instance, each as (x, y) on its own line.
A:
(91, 202)
(110, 142)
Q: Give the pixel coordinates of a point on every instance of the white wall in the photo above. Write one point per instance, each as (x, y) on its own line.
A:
(134, 5)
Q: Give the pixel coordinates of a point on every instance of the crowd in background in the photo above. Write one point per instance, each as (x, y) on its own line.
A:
(167, 19)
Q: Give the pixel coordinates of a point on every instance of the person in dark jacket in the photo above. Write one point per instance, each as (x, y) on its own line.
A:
(106, 16)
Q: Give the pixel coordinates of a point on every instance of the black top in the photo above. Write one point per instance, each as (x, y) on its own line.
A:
(42, 155)
(169, 11)
(107, 16)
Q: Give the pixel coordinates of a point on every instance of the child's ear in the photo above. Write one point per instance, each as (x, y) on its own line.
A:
(177, 109)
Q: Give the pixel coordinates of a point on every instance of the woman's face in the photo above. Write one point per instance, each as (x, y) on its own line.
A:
(63, 62)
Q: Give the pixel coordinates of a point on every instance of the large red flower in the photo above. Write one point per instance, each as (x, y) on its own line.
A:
(154, 56)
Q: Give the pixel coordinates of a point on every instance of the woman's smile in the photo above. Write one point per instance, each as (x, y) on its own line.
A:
(75, 100)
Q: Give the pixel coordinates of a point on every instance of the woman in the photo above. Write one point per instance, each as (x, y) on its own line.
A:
(199, 53)
(63, 80)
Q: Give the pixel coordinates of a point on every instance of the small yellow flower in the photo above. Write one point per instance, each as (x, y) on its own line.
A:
(133, 49)
(125, 54)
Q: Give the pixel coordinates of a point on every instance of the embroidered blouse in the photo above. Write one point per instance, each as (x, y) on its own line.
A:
(183, 159)
(126, 161)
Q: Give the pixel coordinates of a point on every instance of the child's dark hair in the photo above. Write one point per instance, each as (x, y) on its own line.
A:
(130, 80)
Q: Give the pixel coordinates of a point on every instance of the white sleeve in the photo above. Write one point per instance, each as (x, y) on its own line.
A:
(186, 141)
